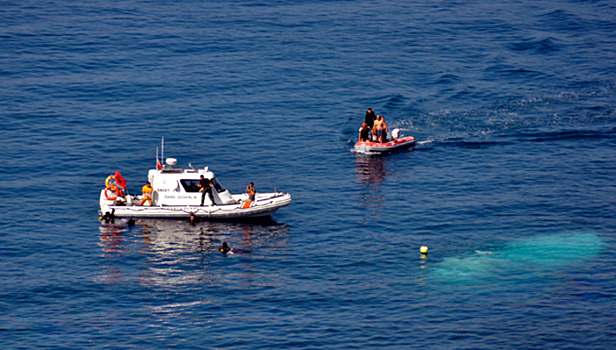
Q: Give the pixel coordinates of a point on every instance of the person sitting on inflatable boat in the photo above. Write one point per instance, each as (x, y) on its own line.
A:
(364, 133)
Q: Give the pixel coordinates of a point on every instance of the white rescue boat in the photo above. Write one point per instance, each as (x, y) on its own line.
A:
(176, 194)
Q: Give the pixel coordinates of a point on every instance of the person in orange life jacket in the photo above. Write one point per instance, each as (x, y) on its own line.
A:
(147, 193)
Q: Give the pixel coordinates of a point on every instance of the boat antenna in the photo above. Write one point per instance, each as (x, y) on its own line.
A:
(162, 143)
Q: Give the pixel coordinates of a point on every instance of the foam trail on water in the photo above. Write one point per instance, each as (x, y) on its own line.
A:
(425, 142)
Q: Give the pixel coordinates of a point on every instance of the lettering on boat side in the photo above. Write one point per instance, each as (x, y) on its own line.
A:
(173, 196)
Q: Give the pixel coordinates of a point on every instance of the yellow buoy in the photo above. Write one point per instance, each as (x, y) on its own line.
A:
(423, 250)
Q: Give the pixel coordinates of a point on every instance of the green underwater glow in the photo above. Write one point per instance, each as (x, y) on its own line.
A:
(524, 257)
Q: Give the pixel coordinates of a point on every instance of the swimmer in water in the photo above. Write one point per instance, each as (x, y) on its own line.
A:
(225, 248)
(108, 217)
(193, 219)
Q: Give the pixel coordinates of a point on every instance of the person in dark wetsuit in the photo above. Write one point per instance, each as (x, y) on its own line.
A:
(193, 219)
(370, 117)
(364, 133)
(204, 184)
(225, 249)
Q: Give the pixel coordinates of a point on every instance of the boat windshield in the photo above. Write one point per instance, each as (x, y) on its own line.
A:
(218, 186)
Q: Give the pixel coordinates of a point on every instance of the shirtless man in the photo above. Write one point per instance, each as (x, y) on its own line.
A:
(377, 131)
(384, 128)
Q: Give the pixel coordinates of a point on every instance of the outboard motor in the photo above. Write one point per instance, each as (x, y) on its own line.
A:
(395, 134)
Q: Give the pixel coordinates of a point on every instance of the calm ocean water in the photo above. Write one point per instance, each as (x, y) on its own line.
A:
(511, 186)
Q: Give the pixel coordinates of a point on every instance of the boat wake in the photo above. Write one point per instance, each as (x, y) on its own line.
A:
(425, 142)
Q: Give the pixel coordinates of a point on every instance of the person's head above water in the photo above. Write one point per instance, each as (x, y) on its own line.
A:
(225, 248)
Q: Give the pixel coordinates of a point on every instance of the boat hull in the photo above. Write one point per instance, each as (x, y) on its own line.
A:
(375, 147)
(266, 204)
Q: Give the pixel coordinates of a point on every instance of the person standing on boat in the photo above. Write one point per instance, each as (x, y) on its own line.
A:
(370, 117)
(206, 188)
(251, 192)
(364, 133)
(147, 193)
(384, 128)
(377, 131)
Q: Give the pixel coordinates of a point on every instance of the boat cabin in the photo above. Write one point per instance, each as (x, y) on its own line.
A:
(174, 185)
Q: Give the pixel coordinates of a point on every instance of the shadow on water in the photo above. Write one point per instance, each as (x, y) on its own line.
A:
(172, 253)
(520, 260)
(371, 170)
(371, 173)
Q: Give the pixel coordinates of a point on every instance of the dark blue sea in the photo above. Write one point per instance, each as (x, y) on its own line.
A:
(511, 185)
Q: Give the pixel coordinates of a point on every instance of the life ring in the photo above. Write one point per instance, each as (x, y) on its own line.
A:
(113, 189)
(110, 180)
(120, 179)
